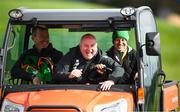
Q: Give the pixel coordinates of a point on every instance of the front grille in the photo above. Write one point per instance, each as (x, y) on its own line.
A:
(46, 108)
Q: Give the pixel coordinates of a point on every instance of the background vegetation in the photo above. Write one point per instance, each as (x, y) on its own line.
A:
(170, 40)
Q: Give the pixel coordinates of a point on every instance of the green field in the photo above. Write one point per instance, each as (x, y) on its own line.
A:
(170, 52)
(170, 34)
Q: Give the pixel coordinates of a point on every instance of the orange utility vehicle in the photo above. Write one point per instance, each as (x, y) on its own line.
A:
(150, 92)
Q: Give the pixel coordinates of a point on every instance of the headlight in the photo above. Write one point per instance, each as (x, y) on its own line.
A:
(128, 11)
(116, 106)
(15, 13)
(9, 106)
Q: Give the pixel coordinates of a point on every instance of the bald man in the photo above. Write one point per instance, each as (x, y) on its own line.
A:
(86, 63)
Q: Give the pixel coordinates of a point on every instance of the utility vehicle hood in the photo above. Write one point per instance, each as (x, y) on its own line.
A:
(86, 100)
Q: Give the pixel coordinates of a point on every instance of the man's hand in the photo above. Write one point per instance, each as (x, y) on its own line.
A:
(75, 73)
(101, 68)
(36, 81)
(106, 85)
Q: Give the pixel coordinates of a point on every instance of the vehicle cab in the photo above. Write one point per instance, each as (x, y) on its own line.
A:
(150, 92)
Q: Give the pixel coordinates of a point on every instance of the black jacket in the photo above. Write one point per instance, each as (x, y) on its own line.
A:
(74, 60)
(129, 64)
(31, 54)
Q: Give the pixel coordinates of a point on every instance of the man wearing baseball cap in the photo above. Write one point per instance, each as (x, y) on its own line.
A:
(124, 55)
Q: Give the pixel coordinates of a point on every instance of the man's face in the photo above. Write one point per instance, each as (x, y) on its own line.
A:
(88, 47)
(41, 39)
(120, 44)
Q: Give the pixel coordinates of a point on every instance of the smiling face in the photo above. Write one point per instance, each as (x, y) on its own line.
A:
(88, 47)
(120, 44)
(41, 39)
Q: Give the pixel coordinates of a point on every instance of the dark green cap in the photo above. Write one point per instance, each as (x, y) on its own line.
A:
(120, 34)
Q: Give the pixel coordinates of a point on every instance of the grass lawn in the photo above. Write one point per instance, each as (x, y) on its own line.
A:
(169, 49)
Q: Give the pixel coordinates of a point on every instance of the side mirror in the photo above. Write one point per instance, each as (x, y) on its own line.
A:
(153, 44)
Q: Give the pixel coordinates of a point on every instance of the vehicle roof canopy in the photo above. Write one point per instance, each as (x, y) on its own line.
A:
(70, 14)
(96, 19)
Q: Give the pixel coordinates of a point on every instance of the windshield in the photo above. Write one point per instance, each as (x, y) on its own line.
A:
(62, 39)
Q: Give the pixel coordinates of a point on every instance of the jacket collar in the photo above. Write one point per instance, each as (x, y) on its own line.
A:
(44, 51)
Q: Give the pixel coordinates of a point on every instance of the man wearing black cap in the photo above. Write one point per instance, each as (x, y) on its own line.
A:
(124, 55)
(37, 64)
